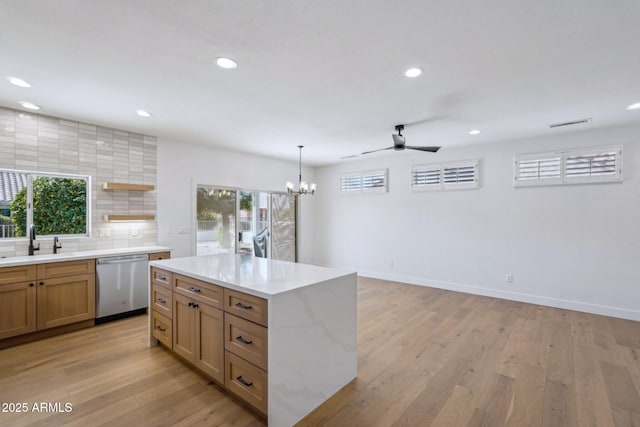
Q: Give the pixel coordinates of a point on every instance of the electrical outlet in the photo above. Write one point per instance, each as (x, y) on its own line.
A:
(509, 278)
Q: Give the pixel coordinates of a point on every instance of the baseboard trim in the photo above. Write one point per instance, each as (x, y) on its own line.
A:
(604, 310)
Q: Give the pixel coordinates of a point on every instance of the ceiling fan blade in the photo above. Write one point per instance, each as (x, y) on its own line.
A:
(429, 149)
(353, 156)
(382, 149)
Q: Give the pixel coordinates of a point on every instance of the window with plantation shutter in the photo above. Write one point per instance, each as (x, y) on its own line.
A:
(593, 166)
(374, 180)
(425, 177)
(538, 169)
(445, 176)
(350, 183)
(569, 167)
(369, 181)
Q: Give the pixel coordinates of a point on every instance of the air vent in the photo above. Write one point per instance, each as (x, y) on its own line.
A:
(574, 122)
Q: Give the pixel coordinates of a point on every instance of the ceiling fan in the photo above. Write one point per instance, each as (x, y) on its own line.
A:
(398, 145)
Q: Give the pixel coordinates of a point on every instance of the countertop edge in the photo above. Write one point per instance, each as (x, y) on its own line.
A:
(240, 288)
(97, 253)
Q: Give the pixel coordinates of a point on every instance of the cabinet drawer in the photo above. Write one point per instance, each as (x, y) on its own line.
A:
(246, 306)
(16, 274)
(246, 339)
(246, 381)
(161, 277)
(162, 300)
(159, 255)
(66, 268)
(161, 328)
(198, 290)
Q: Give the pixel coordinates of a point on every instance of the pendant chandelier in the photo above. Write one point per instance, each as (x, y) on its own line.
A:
(303, 187)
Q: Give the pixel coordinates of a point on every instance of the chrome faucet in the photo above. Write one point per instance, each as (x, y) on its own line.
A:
(56, 245)
(32, 237)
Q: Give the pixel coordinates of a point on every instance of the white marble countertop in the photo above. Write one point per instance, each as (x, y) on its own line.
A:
(39, 259)
(257, 276)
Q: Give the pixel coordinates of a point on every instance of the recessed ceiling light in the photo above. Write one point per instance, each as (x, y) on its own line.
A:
(18, 82)
(413, 72)
(143, 113)
(635, 106)
(474, 132)
(29, 105)
(226, 63)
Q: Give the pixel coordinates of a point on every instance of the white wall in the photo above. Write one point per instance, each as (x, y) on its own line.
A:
(181, 166)
(566, 246)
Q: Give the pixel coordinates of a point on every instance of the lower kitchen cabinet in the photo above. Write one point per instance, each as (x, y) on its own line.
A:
(197, 335)
(53, 294)
(65, 300)
(161, 328)
(17, 309)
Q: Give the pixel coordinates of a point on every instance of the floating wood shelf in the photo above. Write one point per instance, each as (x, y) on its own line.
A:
(112, 217)
(127, 187)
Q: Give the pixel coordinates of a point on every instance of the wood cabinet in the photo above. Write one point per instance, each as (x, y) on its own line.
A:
(161, 328)
(154, 256)
(246, 339)
(65, 300)
(17, 308)
(197, 335)
(161, 300)
(246, 306)
(220, 331)
(21, 273)
(246, 381)
(43, 296)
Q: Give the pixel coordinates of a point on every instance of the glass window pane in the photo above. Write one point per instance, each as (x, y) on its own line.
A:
(13, 215)
(59, 205)
(216, 219)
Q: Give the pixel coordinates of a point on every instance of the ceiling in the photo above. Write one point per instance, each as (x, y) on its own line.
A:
(326, 74)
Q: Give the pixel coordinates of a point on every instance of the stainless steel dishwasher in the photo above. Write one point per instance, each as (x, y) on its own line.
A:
(122, 287)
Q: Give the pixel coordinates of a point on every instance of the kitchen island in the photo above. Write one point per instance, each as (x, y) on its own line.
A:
(281, 336)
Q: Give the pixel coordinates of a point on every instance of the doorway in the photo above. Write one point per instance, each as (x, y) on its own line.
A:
(257, 223)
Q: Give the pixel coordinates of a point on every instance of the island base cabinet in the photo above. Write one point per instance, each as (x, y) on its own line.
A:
(17, 309)
(161, 328)
(65, 300)
(247, 381)
(184, 327)
(197, 335)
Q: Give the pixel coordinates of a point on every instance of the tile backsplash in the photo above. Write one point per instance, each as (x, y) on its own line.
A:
(33, 142)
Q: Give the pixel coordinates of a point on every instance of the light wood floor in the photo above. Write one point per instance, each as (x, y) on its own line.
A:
(426, 357)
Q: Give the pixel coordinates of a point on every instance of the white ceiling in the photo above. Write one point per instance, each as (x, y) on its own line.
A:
(327, 74)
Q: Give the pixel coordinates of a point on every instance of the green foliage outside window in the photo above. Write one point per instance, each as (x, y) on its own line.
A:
(59, 207)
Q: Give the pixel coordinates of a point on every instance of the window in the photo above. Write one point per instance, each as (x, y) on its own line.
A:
(351, 183)
(569, 167)
(370, 181)
(56, 204)
(445, 176)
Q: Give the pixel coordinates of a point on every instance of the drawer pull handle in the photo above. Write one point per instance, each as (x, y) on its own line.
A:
(162, 301)
(159, 277)
(243, 341)
(192, 289)
(242, 380)
(193, 304)
(245, 307)
(160, 328)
